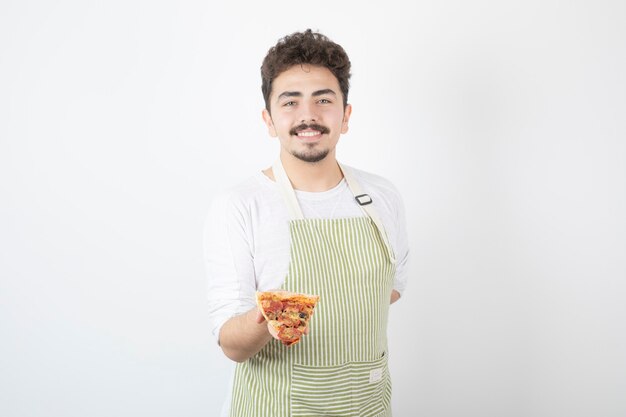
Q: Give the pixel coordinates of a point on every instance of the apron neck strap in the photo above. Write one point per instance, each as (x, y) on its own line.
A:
(289, 195)
(363, 199)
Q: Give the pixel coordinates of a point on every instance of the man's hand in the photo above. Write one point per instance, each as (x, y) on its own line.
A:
(260, 319)
(243, 336)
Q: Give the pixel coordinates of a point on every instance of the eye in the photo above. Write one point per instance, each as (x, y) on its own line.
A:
(324, 101)
(289, 104)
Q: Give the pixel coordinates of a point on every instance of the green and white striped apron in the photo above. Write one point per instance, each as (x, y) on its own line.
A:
(340, 368)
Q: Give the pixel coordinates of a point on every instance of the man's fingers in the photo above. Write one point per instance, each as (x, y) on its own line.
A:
(273, 331)
(259, 317)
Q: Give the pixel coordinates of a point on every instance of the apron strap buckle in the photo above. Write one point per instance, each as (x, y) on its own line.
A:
(363, 199)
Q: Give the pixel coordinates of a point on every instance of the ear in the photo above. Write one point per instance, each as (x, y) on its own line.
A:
(267, 118)
(346, 117)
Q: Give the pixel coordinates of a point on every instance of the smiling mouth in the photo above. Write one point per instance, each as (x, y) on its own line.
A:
(308, 133)
(312, 130)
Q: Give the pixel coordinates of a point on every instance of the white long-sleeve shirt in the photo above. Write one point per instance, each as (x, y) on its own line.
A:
(247, 241)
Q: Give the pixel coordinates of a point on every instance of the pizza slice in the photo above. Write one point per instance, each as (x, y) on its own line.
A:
(287, 312)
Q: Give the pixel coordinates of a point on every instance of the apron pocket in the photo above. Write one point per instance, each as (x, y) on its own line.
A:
(352, 389)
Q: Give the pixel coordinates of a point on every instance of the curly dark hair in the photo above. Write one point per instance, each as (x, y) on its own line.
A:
(306, 47)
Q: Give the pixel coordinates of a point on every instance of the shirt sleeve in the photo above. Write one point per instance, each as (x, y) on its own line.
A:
(228, 261)
(402, 248)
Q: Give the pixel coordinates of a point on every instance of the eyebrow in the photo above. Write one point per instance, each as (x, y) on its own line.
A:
(285, 94)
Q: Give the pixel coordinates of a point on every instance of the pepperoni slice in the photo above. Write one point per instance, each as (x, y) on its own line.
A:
(289, 335)
(276, 306)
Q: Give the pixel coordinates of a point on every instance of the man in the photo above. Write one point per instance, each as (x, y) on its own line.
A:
(309, 225)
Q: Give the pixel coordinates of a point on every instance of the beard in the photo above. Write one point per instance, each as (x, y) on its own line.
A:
(311, 155)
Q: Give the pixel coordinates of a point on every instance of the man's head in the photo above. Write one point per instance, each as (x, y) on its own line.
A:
(305, 86)
(305, 48)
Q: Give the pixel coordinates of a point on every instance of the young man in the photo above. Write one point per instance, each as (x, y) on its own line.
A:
(310, 225)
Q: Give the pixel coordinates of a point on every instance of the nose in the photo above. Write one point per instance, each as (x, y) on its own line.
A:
(308, 113)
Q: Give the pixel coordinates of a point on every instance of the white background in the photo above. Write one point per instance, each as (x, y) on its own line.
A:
(502, 122)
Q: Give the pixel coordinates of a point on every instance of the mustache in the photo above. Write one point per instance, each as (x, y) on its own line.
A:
(314, 126)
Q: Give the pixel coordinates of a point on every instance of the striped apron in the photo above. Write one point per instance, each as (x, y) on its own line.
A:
(340, 368)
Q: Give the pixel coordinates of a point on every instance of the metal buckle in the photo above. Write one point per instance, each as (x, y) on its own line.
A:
(366, 199)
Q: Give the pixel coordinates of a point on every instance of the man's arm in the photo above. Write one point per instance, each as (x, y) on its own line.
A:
(395, 295)
(243, 336)
(231, 280)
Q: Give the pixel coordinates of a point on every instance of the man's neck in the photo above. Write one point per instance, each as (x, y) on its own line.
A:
(311, 176)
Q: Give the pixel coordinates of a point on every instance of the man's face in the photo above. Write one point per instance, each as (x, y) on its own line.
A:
(307, 113)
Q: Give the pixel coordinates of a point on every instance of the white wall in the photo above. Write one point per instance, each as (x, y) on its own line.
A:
(502, 122)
